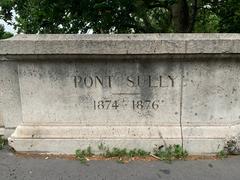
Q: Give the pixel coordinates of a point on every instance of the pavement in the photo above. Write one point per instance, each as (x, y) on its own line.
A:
(13, 167)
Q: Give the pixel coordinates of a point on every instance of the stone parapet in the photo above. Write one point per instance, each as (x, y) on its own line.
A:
(65, 92)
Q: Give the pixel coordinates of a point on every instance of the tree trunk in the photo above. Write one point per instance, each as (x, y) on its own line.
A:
(180, 16)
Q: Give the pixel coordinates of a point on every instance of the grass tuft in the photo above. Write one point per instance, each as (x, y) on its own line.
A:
(171, 152)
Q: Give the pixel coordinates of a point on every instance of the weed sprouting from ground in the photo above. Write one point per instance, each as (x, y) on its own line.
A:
(82, 155)
(117, 152)
(222, 154)
(121, 153)
(171, 152)
(168, 153)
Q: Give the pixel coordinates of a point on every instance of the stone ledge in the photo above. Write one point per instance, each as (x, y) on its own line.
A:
(69, 146)
(121, 44)
(95, 132)
(154, 132)
(48, 139)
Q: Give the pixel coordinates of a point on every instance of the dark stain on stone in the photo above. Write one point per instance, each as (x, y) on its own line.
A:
(234, 90)
(165, 171)
(210, 165)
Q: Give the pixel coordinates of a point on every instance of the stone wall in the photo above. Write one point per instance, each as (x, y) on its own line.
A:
(65, 92)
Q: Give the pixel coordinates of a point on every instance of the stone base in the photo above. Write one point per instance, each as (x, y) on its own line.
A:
(67, 139)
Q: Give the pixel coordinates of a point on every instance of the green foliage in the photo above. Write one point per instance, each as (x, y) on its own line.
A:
(222, 154)
(122, 16)
(228, 12)
(102, 16)
(3, 34)
(82, 154)
(171, 152)
(168, 153)
(207, 21)
(117, 152)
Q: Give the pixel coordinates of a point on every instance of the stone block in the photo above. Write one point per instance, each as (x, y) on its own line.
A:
(65, 92)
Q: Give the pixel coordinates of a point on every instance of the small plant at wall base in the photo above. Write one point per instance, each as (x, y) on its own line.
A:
(222, 154)
(82, 155)
(170, 152)
(118, 152)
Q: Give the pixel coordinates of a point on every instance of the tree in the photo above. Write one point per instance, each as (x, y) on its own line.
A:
(228, 12)
(102, 16)
(117, 16)
(3, 34)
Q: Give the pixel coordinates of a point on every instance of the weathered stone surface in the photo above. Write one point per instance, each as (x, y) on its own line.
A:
(129, 91)
(210, 101)
(211, 92)
(10, 102)
(121, 44)
(103, 94)
(46, 138)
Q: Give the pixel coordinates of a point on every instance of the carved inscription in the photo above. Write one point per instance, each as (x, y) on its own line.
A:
(138, 81)
(130, 81)
(134, 105)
